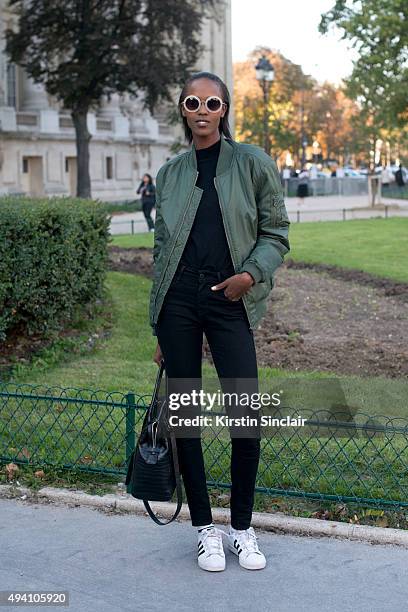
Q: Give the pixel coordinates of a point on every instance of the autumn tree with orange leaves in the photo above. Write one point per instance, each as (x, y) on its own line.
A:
(333, 124)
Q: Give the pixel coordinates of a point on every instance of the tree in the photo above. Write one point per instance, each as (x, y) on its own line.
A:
(84, 49)
(300, 111)
(379, 81)
(330, 113)
(282, 111)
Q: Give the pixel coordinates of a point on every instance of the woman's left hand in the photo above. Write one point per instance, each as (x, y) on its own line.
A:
(235, 286)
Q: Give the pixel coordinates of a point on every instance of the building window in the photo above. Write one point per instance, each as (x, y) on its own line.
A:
(11, 86)
(25, 165)
(66, 165)
(109, 167)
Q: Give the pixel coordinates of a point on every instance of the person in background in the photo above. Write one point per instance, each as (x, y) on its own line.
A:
(286, 179)
(148, 193)
(399, 176)
(386, 177)
(303, 185)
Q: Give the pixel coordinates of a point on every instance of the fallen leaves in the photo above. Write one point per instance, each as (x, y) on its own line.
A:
(11, 470)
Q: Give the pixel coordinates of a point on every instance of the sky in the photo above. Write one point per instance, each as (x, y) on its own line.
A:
(290, 26)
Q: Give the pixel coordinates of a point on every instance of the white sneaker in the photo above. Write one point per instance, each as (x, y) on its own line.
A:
(244, 545)
(211, 556)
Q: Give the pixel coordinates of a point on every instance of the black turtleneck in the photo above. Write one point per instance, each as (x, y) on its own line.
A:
(207, 246)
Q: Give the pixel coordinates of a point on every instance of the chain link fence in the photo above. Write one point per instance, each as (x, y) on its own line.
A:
(363, 459)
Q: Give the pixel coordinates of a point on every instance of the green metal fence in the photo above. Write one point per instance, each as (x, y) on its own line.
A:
(364, 460)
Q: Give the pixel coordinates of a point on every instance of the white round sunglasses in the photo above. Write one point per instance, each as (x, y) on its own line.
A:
(192, 103)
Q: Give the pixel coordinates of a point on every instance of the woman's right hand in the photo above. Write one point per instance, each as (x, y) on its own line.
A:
(158, 355)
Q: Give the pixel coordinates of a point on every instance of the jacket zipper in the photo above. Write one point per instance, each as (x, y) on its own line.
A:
(229, 244)
(174, 245)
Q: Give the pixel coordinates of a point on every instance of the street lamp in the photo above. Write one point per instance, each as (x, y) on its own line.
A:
(265, 75)
(302, 126)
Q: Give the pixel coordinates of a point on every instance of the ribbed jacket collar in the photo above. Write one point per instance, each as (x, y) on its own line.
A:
(225, 157)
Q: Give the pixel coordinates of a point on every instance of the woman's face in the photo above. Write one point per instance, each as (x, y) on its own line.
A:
(203, 123)
(145, 178)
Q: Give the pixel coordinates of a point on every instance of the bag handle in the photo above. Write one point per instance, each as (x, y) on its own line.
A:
(157, 387)
(177, 476)
(152, 416)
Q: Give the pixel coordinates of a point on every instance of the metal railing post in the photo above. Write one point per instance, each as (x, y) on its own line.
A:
(130, 429)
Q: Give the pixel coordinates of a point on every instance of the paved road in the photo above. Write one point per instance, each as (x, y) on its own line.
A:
(328, 208)
(115, 563)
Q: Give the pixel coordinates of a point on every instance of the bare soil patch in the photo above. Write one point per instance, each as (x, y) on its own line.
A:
(135, 261)
(319, 322)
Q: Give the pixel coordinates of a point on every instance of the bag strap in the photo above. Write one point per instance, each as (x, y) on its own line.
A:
(177, 476)
(157, 387)
(151, 414)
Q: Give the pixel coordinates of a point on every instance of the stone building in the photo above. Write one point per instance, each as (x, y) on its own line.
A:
(37, 137)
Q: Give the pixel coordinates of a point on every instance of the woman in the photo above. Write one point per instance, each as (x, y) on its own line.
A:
(221, 232)
(385, 178)
(303, 185)
(148, 190)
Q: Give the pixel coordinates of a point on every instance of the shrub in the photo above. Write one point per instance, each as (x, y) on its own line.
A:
(53, 255)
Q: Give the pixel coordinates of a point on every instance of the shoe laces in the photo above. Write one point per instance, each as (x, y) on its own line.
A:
(212, 540)
(248, 540)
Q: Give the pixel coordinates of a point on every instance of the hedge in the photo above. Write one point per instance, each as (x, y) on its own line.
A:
(53, 255)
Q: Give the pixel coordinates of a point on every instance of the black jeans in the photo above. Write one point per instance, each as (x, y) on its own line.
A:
(147, 207)
(190, 308)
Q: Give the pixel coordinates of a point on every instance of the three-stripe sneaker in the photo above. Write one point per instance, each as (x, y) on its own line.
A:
(244, 545)
(211, 556)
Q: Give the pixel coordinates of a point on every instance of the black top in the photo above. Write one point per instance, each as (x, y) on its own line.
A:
(207, 246)
(148, 192)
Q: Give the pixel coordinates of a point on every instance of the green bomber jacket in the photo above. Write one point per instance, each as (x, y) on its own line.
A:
(254, 214)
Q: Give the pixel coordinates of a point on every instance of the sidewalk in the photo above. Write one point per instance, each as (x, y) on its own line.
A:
(112, 563)
(324, 208)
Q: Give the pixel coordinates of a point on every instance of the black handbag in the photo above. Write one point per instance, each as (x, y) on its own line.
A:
(153, 469)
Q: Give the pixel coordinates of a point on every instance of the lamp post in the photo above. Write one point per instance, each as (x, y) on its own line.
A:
(302, 127)
(265, 75)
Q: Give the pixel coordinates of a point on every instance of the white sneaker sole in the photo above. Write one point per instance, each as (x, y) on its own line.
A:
(212, 569)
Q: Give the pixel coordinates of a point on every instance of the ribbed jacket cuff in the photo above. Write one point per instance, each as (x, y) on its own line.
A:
(253, 270)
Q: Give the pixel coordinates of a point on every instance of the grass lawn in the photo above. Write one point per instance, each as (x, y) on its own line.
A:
(127, 241)
(378, 246)
(123, 362)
